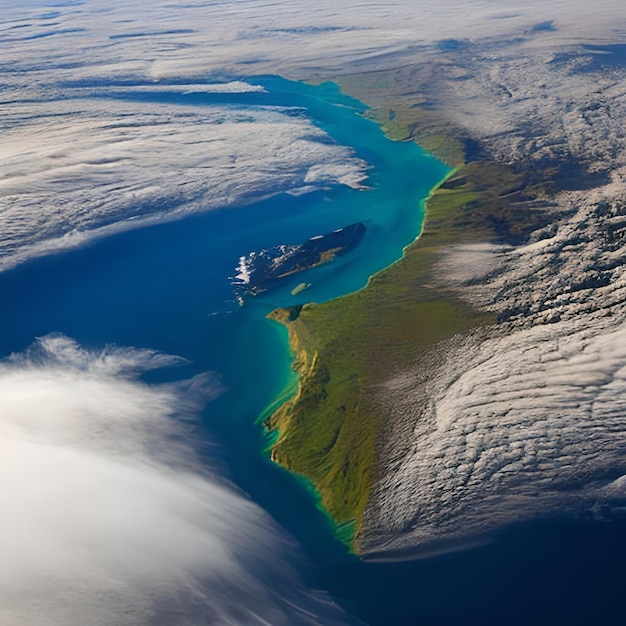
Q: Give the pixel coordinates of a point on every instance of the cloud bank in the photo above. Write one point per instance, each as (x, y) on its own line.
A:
(87, 164)
(78, 163)
(122, 524)
(176, 39)
(526, 417)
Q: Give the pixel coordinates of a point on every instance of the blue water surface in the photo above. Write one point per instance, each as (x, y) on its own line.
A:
(167, 287)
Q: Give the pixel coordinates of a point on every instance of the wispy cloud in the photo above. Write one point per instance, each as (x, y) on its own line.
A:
(86, 164)
(109, 518)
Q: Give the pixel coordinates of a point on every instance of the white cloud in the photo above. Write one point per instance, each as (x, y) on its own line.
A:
(527, 417)
(78, 164)
(107, 518)
(89, 165)
(175, 39)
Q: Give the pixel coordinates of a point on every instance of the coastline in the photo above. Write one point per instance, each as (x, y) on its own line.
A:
(297, 420)
(332, 429)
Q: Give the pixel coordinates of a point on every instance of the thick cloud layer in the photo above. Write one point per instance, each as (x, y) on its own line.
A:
(86, 164)
(177, 39)
(536, 424)
(78, 163)
(526, 417)
(106, 516)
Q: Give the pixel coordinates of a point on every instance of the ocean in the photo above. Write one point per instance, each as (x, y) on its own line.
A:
(169, 287)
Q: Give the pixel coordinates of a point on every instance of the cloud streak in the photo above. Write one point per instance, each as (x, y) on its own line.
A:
(108, 517)
(89, 164)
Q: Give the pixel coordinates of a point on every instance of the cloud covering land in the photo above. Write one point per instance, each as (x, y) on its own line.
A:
(524, 417)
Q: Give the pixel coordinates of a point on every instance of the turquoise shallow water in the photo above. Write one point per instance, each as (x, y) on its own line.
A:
(167, 287)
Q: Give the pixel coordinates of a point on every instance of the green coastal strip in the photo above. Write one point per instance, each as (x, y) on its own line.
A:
(345, 349)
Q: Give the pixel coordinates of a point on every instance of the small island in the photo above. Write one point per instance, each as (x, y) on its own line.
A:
(260, 272)
(300, 288)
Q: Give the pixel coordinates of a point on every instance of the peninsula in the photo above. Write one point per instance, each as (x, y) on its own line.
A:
(416, 416)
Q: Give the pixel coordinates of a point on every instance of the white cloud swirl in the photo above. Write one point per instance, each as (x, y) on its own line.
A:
(108, 518)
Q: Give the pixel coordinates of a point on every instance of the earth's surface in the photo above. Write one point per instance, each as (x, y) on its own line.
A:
(428, 197)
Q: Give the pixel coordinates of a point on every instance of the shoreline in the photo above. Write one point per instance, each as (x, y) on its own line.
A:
(332, 430)
(305, 363)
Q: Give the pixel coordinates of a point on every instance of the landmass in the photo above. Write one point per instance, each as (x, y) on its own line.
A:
(479, 380)
(265, 270)
(332, 427)
(299, 288)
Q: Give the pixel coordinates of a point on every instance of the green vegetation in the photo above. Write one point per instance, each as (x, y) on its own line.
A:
(346, 348)
(400, 107)
(300, 288)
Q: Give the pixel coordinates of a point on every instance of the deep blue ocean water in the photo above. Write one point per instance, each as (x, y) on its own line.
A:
(167, 287)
